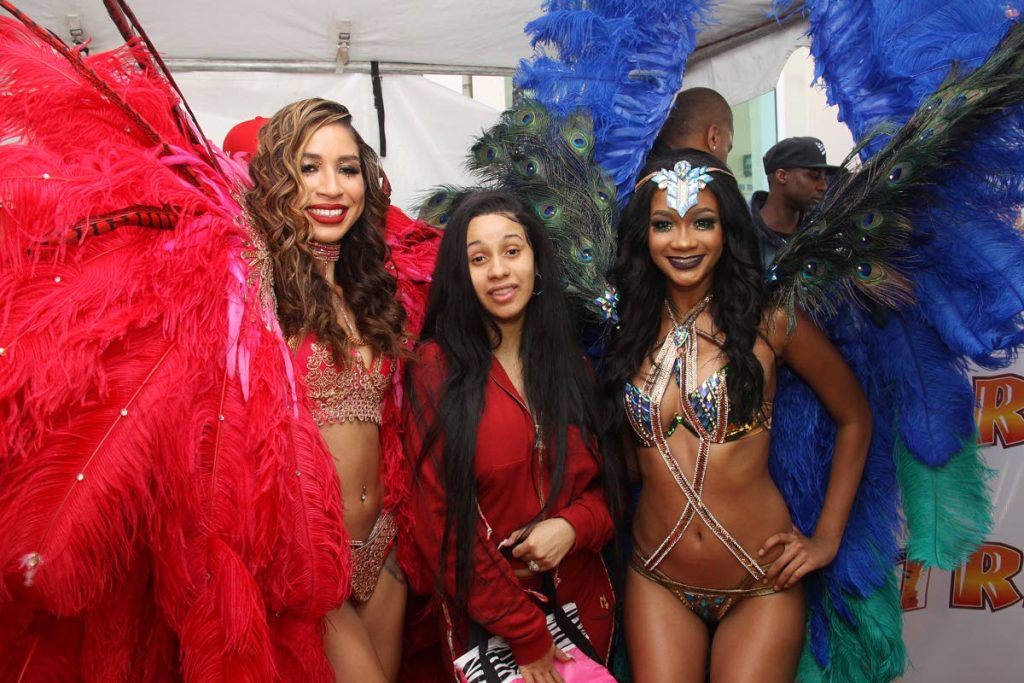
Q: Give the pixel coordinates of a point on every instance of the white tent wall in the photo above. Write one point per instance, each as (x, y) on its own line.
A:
(467, 33)
(748, 69)
(428, 127)
(235, 59)
(482, 33)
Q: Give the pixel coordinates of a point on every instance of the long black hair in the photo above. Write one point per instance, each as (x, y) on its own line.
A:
(737, 306)
(559, 389)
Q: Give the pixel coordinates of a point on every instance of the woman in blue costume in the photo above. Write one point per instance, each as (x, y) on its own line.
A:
(889, 237)
(695, 362)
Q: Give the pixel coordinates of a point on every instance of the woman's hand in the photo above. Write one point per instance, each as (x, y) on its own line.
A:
(544, 545)
(543, 670)
(800, 556)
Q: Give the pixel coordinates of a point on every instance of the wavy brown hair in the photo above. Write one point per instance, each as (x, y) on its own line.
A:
(305, 300)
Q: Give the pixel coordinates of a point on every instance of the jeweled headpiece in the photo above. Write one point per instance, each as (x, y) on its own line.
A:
(682, 184)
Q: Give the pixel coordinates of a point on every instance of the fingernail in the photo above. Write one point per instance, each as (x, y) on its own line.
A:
(760, 552)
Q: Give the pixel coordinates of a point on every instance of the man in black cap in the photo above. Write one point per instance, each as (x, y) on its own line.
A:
(797, 171)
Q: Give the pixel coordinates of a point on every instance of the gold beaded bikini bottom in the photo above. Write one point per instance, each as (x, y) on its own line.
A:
(710, 604)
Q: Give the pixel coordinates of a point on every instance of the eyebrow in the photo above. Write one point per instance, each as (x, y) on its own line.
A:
(505, 237)
(347, 157)
(698, 211)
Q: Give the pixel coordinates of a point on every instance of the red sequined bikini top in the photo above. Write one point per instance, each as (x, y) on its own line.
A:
(351, 393)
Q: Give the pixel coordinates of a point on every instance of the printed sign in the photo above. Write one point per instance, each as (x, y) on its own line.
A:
(967, 625)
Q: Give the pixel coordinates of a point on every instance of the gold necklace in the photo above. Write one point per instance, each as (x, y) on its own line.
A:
(685, 338)
(350, 333)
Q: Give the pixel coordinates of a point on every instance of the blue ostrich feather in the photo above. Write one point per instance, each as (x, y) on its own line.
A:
(968, 264)
(621, 60)
(934, 402)
(803, 436)
(880, 61)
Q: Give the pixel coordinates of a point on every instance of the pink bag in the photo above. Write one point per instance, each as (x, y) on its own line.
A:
(583, 670)
(495, 663)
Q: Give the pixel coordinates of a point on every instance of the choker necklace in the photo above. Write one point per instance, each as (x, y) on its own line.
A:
(328, 253)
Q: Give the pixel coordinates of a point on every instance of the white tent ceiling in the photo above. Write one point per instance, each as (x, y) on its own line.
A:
(235, 59)
(456, 34)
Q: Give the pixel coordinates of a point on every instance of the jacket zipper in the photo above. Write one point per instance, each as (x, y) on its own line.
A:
(538, 441)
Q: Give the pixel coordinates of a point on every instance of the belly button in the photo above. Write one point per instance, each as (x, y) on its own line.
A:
(362, 495)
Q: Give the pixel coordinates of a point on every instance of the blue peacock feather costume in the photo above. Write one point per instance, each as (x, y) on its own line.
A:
(911, 263)
(881, 63)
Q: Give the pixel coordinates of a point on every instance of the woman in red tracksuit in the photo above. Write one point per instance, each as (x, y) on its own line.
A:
(501, 424)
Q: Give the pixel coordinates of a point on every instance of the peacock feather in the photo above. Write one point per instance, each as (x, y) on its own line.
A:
(548, 161)
(438, 206)
(943, 222)
(856, 240)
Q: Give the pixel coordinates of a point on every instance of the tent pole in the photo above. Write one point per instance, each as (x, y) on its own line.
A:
(295, 66)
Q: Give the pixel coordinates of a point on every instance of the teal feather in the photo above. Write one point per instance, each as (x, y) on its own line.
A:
(487, 152)
(947, 508)
(528, 117)
(578, 135)
(602, 193)
(550, 211)
(877, 626)
(532, 167)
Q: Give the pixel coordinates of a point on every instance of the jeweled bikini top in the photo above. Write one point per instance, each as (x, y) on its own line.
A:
(704, 402)
(351, 393)
(704, 408)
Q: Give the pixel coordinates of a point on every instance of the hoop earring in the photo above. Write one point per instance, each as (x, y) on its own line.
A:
(541, 290)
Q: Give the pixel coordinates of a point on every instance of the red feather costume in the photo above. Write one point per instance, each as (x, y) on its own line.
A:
(413, 246)
(168, 509)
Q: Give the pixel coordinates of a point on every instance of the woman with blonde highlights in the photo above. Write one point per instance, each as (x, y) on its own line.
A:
(320, 200)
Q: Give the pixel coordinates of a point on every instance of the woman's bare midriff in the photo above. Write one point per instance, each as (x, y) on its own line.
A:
(355, 449)
(738, 491)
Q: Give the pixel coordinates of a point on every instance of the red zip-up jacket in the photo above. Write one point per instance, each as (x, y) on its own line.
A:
(512, 483)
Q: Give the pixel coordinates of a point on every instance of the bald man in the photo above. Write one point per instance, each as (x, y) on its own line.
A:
(700, 119)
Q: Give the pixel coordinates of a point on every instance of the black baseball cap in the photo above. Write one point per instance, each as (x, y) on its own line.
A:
(797, 153)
